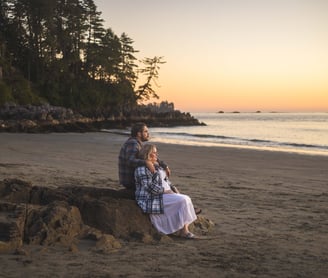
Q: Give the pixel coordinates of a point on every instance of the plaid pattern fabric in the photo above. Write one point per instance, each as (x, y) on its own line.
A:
(149, 190)
(128, 161)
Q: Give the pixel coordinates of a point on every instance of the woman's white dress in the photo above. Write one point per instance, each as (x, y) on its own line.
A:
(178, 210)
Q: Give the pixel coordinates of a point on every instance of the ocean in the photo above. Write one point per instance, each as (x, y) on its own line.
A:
(305, 133)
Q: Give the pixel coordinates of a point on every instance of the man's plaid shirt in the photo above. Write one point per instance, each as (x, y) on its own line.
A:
(128, 161)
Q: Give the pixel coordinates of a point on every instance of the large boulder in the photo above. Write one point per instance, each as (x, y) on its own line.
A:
(64, 215)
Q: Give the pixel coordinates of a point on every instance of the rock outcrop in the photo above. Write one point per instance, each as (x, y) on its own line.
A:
(66, 215)
(48, 118)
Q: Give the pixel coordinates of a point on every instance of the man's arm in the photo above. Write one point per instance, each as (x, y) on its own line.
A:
(165, 167)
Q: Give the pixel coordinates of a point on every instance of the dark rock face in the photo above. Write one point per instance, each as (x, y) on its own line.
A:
(12, 217)
(42, 215)
(56, 222)
(42, 118)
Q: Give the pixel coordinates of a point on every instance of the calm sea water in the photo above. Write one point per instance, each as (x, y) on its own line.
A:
(292, 132)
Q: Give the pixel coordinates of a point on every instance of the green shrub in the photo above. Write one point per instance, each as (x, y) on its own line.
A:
(5, 93)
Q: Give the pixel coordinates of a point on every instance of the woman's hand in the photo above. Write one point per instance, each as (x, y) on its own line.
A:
(150, 166)
(168, 192)
(174, 189)
(168, 171)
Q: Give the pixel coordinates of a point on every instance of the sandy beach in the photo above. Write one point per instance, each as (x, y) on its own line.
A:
(270, 209)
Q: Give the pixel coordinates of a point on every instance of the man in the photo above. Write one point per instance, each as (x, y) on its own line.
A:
(128, 161)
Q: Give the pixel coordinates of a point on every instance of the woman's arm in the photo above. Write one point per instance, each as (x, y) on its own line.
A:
(152, 182)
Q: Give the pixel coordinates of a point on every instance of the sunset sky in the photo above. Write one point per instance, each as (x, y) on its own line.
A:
(231, 55)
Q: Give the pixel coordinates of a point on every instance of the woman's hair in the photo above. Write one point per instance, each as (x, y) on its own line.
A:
(145, 151)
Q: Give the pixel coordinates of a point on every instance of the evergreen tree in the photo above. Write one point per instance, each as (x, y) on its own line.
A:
(59, 51)
(146, 91)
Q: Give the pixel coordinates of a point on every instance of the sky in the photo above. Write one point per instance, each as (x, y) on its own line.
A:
(231, 55)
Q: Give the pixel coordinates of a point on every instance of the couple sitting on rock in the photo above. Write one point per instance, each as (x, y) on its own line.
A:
(141, 170)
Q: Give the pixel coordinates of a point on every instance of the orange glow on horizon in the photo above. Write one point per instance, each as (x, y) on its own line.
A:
(232, 55)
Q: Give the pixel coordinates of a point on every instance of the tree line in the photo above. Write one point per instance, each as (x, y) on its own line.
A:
(59, 52)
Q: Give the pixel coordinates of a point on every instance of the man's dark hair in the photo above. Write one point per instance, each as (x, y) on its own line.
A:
(137, 127)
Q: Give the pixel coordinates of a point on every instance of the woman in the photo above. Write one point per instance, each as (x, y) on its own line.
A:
(169, 212)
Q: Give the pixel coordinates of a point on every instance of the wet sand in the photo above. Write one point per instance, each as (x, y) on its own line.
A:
(270, 209)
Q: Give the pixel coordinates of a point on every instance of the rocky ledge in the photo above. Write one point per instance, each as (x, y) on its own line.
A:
(48, 118)
(68, 215)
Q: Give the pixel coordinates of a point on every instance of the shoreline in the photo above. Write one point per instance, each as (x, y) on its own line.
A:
(270, 208)
(223, 145)
(251, 148)
(294, 132)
